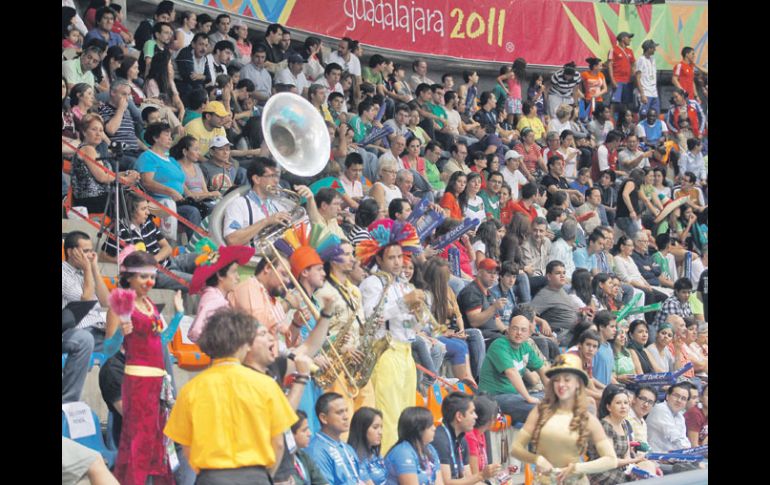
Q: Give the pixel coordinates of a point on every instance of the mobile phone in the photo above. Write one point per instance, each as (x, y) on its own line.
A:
(218, 92)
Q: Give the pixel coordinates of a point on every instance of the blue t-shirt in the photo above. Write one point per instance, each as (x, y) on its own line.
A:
(337, 460)
(168, 172)
(604, 362)
(402, 459)
(583, 260)
(375, 468)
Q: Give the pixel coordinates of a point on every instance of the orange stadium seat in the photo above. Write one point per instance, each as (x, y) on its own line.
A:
(188, 356)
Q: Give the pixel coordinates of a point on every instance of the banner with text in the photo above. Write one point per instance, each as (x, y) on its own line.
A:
(544, 32)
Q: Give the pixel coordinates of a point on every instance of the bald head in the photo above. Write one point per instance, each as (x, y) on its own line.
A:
(519, 329)
(677, 323)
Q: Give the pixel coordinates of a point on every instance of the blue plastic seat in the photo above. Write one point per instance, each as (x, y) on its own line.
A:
(63, 360)
(97, 358)
(94, 441)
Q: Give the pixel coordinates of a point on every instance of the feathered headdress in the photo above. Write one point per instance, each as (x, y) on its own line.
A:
(308, 244)
(384, 232)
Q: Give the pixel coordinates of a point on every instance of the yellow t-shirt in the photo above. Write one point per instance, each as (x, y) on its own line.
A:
(228, 415)
(196, 129)
(534, 123)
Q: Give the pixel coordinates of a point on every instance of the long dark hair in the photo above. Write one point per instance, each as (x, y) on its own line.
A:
(451, 185)
(184, 143)
(487, 233)
(608, 395)
(114, 52)
(581, 284)
(577, 331)
(125, 66)
(623, 239)
(359, 426)
(411, 424)
(437, 282)
(597, 289)
(159, 71)
(519, 68)
(463, 198)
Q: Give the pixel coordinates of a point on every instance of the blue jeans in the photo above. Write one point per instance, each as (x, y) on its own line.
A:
(78, 344)
(457, 284)
(192, 214)
(652, 103)
(182, 266)
(476, 350)
(429, 357)
(627, 225)
(515, 406)
(522, 289)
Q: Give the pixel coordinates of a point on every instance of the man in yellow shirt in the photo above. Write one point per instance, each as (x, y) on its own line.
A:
(229, 419)
(214, 118)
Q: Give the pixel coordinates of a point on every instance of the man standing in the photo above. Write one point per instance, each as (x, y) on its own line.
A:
(81, 281)
(563, 88)
(257, 73)
(78, 70)
(459, 418)
(293, 75)
(621, 65)
(479, 309)
(502, 374)
(684, 74)
(193, 65)
(647, 78)
(248, 215)
(336, 459)
(553, 304)
(666, 428)
(395, 375)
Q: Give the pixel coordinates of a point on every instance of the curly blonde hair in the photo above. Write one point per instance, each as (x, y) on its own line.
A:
(579, 423)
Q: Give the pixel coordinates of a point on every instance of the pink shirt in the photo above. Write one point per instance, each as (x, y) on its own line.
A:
(514, 88)
(211, 300)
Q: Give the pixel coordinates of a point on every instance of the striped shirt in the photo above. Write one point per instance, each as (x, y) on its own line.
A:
(72, 290)
(125, 132)
(561, 86)
(148, 235)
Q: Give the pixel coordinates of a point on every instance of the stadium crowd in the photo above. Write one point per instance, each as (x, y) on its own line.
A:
(537, 251)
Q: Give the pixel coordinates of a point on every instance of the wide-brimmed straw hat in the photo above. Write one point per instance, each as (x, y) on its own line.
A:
(669, 207)
(568, 363)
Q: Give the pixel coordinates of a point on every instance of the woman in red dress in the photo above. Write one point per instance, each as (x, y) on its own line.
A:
(147, 394)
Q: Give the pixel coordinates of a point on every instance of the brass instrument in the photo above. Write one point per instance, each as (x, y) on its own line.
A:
(297, 214)
(373, 347)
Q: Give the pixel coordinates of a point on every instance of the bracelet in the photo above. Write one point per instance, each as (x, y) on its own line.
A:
(300, 380)
(298, 375)
(326, 315)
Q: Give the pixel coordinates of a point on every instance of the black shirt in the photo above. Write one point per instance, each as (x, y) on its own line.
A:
(473, 297)
(452, 450)
(623, 210)
(560, 183)
(703, 287)
(648, 268)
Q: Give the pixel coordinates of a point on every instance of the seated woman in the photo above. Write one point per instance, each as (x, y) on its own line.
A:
(187, 152)
(449, 201)
(385, 189)
(626, 362)
(613, 411)
(628, 272)
(638, 333)
(581, 292)
(164, 179)
(365, 437)
(160, 86)
(659, 352)
(697, 420)
(89, 180)
(486, 413)
(413, 459)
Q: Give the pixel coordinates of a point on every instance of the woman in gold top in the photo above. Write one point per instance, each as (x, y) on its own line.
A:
(560, 428)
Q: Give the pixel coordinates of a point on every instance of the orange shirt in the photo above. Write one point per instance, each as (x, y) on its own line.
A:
(592, 84)
(449, 201)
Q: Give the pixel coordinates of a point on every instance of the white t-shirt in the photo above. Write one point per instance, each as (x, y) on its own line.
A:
(475, 208)
(453, 121)
(570, 162)
(602, 155)
(353, 66)
(337, 89)
(649, 76)
(285, 76)
(558, 126)
(514, 179)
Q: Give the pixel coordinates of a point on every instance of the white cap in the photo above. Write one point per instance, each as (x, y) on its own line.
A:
(219, 142)
(513, 154)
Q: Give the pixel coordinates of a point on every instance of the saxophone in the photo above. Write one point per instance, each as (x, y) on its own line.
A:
(325, 379)
(372, 347)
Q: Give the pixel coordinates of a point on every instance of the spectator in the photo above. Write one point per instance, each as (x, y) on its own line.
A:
(678, 303)
(471, 203)
(486, 413)
(666, 428)
(684, 74)
(562, 248)
(533, 157)
(604, 361)
(555, 183)
(654, 128)
(682, 111)
(81, 281)
(478, 307)
(458, 152)
(641, 405)
(193, 65)
(638, 334)
(632, 157)
(414, 454)
(532, 121)
(159, 84)
(692, 161)
(164, 12)
(646, 78)
(209, 126)
(385, 189)
(593, 85)
(553, 304)
(628, 271)
(450, 200)
(163, 38)
(622, 65)
(293, 74)
(78, 70)
(305, 470)
(220, 30)
(105, 19)
(563, 88)
(331, 80)
(119, 125)
(80, 463)
(183, 37)
(602, 123)
(272, 42)
(220, 57)
(659, 352)
(239, 36)
(186, 152)
(697, 420)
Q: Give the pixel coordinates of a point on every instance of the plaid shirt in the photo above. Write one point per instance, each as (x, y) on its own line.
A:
(672, 306)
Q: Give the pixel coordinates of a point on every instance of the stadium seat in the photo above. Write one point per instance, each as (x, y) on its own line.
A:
(436, 395)
(188, 356)
(97, 358)
(94, 441)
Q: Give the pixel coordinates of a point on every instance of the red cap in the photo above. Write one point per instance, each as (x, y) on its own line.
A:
(488, 264)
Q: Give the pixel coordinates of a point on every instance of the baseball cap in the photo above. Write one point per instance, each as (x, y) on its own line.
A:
(219, 142)
(215, 107)
(295, 58)
(488, 264)
(649, 44)
(625, 34)
(513, 154)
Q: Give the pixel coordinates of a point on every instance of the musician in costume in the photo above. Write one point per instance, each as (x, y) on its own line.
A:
(388, 297)
(348, 308)
(259, 208)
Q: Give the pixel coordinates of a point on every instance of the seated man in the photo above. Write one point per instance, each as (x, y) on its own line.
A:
(259, 208)
(587, 347)
(648, 267)
(666, 428)
(479, 309)
(643, 401)
(676, 304)
(554, 305)
(503, 370)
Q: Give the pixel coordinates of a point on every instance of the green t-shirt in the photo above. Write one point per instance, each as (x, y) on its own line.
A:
(491, 204)
(502, 356)
(371, 77)
(438, 111)
(501, 96)
(663, 263)
(434, 176)
(663, 227)
(360, 128)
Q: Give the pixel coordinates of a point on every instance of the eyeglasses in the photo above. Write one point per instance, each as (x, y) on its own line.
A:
(271, 175)
(680, 397)
(648, 402)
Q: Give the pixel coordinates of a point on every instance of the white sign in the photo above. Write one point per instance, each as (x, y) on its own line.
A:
(79, 419)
